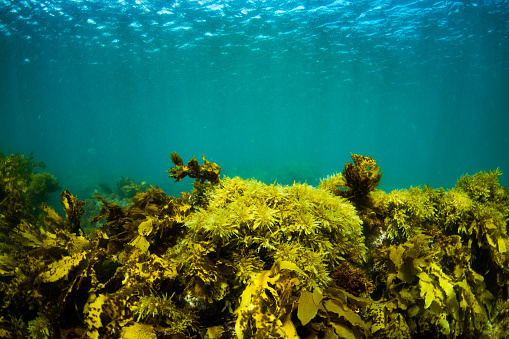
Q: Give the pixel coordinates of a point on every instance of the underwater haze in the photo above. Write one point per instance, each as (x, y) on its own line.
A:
(276, 90)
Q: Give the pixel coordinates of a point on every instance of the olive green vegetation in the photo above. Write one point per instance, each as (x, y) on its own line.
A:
(238, 258)
(125, 190)
(22, 190)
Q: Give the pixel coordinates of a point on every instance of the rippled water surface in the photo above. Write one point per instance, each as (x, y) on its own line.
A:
(272, 89)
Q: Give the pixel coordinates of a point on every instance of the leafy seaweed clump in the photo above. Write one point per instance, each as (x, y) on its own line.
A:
(442, 258)
(251, 237)
(22, 190)
(237, 258)
(87, 284)
(358, 184)
(359, 179)
(299, 223)
(125, 189)
(352, 279)
(209, 171)
(406, 213)
(429, 289)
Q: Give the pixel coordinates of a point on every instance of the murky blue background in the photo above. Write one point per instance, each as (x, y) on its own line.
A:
(267, 89)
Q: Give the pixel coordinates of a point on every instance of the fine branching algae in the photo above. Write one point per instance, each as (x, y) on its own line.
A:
(239, 258)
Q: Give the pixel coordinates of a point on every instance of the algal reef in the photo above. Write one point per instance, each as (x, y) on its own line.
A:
(239, 258)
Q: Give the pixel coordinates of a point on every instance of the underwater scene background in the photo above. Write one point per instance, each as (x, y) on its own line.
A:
(261, 237)
(268, 89)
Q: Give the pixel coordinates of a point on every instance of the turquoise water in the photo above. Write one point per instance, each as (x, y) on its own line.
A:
(267, 89)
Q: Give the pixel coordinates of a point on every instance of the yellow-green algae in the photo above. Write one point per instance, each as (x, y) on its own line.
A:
(238, 258)
(22, 190)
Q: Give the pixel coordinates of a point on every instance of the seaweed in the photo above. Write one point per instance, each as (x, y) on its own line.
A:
(338, 314)
(126, 189)
(238, 258)
(209, 171)
(352, 279)
(360, 178)
(264, 305)
(406, 213)
(358, 184)
(22, 190)
(429, 289)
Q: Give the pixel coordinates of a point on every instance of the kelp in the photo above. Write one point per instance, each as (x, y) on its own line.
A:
(206, 176)
(209, 171)
(429, 289)
(238, 258)
(125, 189)
(356, 181)
(22, 190)
(263, 310)
(128, 187)
(406, 213)
(268, 306)
(441, 265)
(72, 278)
